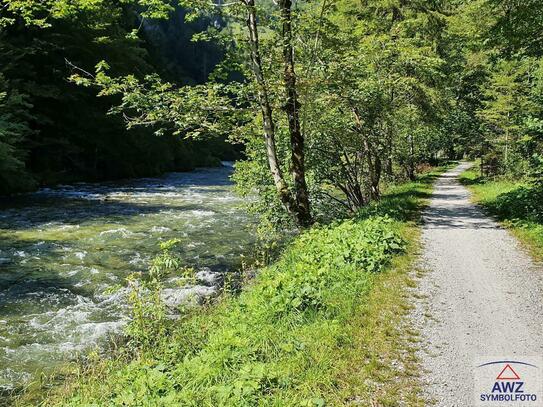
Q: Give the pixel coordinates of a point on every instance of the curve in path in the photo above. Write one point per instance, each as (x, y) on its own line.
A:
(481, 294)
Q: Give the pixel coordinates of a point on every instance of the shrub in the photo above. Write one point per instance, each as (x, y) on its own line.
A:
(149, 322)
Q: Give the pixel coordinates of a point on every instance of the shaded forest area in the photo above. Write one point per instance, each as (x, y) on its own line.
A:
(53, 131)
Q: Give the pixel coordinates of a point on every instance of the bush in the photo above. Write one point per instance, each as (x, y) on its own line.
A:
(524, 202)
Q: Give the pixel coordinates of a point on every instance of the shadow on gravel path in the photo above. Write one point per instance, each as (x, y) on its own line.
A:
(481, 295)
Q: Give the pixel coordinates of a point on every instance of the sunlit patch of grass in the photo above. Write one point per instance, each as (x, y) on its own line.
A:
(516, 204)
(380, 367)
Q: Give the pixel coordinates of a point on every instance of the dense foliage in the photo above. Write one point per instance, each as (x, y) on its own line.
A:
(345, 95)
(53, 131)
(330, 99)
(501, 43)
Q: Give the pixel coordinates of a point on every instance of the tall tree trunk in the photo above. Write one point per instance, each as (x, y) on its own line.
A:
(374, 169)
(390, 140)
(390, 148)
(506, 155)
(376, 178)
(411, 172)
(292, 109)
(267, 113)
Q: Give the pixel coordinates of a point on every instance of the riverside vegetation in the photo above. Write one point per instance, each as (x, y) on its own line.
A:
(320, 326)
(326, 104)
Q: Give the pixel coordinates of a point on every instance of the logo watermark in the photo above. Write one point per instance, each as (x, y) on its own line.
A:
(502, 381)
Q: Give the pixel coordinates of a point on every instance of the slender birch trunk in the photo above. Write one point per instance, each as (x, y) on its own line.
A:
(266, 110)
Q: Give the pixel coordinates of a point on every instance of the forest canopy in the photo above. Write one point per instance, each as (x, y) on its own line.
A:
(330, 99)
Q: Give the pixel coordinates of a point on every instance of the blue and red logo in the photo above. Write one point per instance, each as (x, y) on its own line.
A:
(509, 382)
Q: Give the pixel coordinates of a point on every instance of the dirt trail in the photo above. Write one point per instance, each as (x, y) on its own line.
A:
(481, 294)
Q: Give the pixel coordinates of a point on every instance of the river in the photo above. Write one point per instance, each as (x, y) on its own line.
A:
(63, 249)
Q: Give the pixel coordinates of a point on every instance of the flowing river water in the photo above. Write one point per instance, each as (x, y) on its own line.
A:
(63, 249)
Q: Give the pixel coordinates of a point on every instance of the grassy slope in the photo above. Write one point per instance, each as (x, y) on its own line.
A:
(512, 203)
(324, 325)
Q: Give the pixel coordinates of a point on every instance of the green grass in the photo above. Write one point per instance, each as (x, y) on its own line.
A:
(324, 325)
(516, 204)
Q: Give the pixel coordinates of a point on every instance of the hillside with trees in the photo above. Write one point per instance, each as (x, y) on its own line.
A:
(53, 131)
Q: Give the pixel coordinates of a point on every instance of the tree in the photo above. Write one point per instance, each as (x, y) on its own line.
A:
(375, 70)
(136, 95)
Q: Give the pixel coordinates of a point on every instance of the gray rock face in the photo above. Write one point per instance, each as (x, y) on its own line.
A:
(186, 296)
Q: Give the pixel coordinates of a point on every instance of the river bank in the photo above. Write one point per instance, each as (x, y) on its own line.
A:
(322, 325)
(65, 253)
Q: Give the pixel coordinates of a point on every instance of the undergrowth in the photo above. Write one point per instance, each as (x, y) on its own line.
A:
(321, 326)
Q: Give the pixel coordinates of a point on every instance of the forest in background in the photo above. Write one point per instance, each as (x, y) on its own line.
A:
(53, 131)
(342, 97)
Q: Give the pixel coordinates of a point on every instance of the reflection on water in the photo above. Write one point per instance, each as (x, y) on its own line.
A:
(62, 249)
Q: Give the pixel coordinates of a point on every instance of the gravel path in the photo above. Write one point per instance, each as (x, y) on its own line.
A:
(481, 294)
